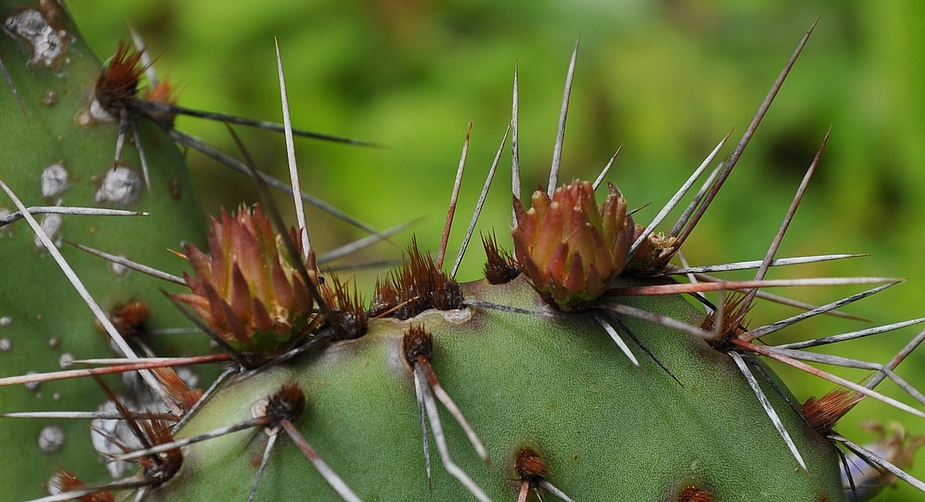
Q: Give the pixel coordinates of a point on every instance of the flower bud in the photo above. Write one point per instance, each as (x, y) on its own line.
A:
(246, 289)
(570, 248)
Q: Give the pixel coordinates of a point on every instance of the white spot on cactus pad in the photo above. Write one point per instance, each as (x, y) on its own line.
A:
(5, 345)
(5, 321)
(50, 98)
(98, 114)
(51, 225)
(121, 186)
(53, 342)
(51, 438)
(259, 410)
(33, 386)
(54, 180)
(118, 269)
(94, 114)
(106, 434)
(47, 43)
(66, 360)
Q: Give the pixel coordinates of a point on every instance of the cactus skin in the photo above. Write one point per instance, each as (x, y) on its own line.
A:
(36, 297)
(607, 430)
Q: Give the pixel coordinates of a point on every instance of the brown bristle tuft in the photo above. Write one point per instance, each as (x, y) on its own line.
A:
(417, 342)
(159, 467)
(732, 323)
(416, 287)
(117, 85)
(694, 494)
(130, 318)
(499, 266)
(286, 404)
(66, 481)
(347, 308)
(177, 388)
(822, 414)
(386, 299)
(530, 467)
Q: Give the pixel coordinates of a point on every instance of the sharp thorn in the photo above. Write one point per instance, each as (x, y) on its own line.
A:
(326, 472)
(619, 341)
(600, 177)
(695, 202)
(785, 224)
(290, 155)
(853, 335)
(173, 445)
(206, 149)
(437, 429)
(779, 325)
(231, 119)
(365, 242)
(645, 349)
(419, 381)
(454, 197)
(764, 295)
(141, 152)
(121, 260)
(217, 384)
(746, 137)
(507, 308)
(882, 371)
(146, 61)
(122, 484)
(661, 320)
(768, 408)
(898, 358)
(86, 415)
(478, 206)
(79, 211)
(769, 352)
(515, 147)
(264, 460)
(454, 410)
(702, 287)
(555, 491)
(120, 139)
(563, 115)
(748, 265)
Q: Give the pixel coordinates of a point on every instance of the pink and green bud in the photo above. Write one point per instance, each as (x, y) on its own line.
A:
(246, 290)
(569, 247)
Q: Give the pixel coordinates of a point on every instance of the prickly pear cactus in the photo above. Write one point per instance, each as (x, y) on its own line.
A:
(582, 367)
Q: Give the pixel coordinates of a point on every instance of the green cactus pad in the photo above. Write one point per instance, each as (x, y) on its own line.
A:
(553, 382)
(53, 156)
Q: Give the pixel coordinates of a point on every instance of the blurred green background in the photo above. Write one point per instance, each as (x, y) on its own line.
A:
(667, 79)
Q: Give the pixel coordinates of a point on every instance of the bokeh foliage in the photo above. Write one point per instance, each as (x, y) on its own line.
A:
(665, 78)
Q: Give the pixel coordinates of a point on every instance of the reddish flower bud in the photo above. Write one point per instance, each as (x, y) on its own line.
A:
(246, 290)
(570, 248)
